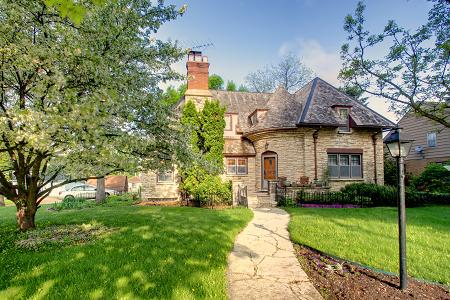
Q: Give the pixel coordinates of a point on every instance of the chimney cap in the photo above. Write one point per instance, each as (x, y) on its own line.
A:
(197, 56)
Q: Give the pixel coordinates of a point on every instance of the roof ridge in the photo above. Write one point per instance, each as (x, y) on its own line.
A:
(242, 92)
(308, 101)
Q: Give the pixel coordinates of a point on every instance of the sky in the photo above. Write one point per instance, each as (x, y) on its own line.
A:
(248, 35)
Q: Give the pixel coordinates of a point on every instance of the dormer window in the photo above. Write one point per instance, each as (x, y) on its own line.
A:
(256, 115)
(254, 119)
(344, 113)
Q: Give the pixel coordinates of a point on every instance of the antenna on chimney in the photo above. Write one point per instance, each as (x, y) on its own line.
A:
(201, 46)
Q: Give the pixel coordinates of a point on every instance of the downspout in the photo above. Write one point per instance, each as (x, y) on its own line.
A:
(374, 143)
(315, 136)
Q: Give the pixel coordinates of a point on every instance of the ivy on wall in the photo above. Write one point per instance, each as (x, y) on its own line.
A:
(201, 179)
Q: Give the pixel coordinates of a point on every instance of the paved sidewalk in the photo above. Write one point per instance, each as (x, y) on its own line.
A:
(263, 264)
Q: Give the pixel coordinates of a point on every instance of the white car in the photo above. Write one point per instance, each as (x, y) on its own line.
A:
(84, 191)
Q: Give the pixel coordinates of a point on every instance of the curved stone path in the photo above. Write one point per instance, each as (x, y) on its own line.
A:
(263, 264)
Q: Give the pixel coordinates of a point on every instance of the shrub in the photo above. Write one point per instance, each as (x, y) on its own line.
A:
(379, 195)
(434, 179)
(286, 202)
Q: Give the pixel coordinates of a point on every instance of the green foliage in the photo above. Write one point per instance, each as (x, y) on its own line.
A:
(413, 72)
(201, 179)
(172, 95)
(243, 88)
(286, 202)
(215, 82)
(380, 195)
(435, 179)
(355, 92)
(83, 99)
(231, 86)
(390, 170)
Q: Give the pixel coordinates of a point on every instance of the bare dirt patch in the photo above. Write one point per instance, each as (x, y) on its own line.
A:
(62, 235)
(338, 279)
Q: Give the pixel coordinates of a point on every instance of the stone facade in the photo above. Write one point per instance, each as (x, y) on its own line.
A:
(152, 189)
(290, 127)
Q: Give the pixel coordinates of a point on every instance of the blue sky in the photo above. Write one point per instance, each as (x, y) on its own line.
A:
(247, 35)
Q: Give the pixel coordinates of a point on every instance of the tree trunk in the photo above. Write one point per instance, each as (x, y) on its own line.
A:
(2, 201)
(100, 193)
(25, 217)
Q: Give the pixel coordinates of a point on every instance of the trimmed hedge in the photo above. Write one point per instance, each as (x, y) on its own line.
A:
(368, 195)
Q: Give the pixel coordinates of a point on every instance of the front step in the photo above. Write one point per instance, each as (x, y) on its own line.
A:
(264, 200)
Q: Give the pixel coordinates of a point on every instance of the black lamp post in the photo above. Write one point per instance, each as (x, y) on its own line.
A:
(399, 148)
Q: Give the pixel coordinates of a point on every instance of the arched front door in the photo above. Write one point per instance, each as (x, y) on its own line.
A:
(269, 170)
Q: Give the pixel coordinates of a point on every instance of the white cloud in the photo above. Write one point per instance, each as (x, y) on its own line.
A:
(324, 63)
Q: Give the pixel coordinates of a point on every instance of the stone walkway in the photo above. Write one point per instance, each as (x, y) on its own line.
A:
(263, 264)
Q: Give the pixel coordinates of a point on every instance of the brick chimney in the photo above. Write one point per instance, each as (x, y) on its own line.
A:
(197, 67)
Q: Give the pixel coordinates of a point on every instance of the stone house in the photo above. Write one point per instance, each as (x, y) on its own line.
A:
(317, 137)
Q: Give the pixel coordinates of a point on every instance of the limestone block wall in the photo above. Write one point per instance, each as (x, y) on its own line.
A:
(289, 146)
(295, 153)
(248, 180)
(358, 138)
(151, 189)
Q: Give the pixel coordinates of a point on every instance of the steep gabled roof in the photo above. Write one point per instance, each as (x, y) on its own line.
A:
(312, 105)
(323, 97)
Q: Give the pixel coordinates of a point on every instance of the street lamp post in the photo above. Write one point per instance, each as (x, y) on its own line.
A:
(399, 148)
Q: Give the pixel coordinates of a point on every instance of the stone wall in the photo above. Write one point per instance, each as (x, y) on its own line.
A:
(295, 152)
(248, 180)
(152, 189)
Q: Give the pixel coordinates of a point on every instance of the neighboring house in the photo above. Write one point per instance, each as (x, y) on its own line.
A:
(431, 142)
(117, 183)
(315, 136)
(134, 184)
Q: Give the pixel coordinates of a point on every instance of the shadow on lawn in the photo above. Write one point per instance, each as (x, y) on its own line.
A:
(157, 253)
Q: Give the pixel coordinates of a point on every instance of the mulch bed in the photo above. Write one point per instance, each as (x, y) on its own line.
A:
(338, 279)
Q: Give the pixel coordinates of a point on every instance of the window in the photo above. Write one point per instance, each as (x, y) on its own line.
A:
(431, 139)
(344, 166)
(228, 123)
(343, 112)
(166, 176)
(236, 166)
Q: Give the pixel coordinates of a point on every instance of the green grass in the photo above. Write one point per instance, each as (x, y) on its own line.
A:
(155, 252)
(369, 236)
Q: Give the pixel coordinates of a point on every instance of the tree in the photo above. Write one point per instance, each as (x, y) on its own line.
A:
(413, 75)
(355, 92)
(243, 88)
(82, 100)
(100, 191)
(171, 96)
(215, 82)
(231, 86)
(289, 73)
(201, 179)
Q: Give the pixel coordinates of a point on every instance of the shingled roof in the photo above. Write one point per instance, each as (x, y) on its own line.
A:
(312, 105)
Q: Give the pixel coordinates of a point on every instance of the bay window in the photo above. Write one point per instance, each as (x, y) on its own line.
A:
(344, 166)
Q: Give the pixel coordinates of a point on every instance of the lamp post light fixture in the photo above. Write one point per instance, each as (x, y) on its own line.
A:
(399, 149)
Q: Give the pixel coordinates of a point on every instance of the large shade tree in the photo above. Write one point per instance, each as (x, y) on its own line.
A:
(289, 73)
(82, 99)
(413, 74)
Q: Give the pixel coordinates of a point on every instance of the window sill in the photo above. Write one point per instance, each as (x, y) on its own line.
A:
(236, 175)
(165, 182)
(345, 132)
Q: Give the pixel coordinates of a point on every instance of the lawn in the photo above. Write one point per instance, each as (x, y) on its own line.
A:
(154, 252)
(369, 236)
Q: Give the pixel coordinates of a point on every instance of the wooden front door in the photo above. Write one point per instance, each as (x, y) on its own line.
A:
(269, 170)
